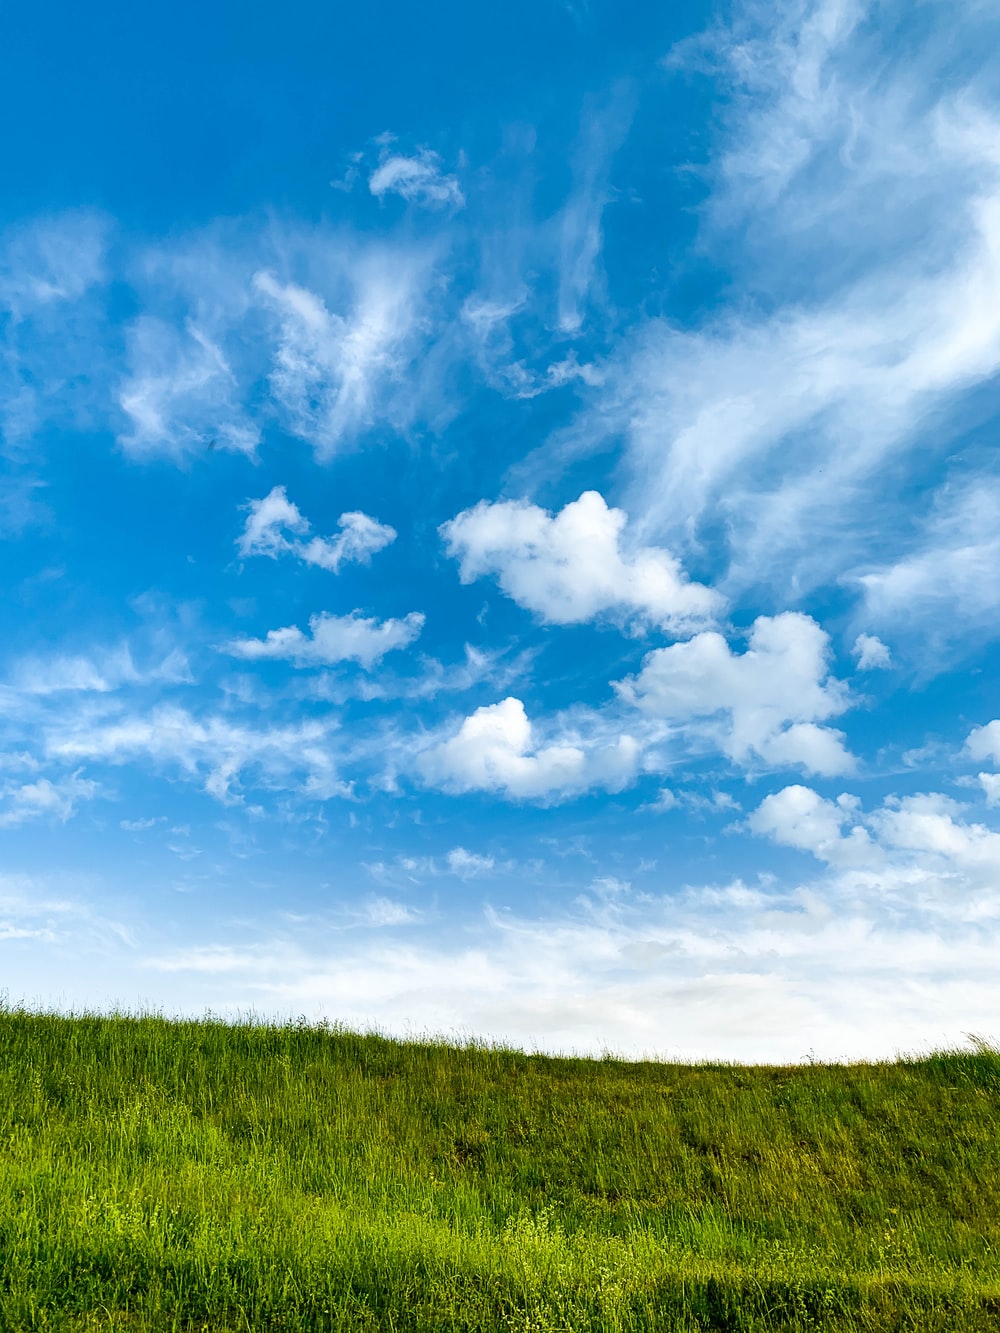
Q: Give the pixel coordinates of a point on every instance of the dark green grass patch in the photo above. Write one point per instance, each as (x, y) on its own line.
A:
(160, 1175)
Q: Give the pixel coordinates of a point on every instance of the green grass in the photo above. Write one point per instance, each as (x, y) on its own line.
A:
(163, 1175)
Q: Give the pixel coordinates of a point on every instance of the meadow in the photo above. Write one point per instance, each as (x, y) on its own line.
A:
(197, 1175)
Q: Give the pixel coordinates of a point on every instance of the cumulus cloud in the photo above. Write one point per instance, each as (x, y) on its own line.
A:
(267, 522)
(983, 743)
(353, 638)
(767, 703)
(798, 817)
(574, 566)
(272, 518)
(871, 652)
(418, 179)
(496, 750)
(925, 833)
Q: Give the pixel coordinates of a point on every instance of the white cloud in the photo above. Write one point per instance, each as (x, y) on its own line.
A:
(418, 179)
(214, 750)
(360, 536)
(51, 261)
(53, 326)
(496, 750)
(359, 539)
(573, 566)
(334, 374)
(34, 800)
(602, 134)
(906, 838)
(984, 742)
(798, 817)
(854, 208)
(386, 912)
(468, 865)
(99, 673)
(946, 585)
(871, 652)
(268, 519)
(182, 395)
(889, 949)
(353, 638)
(767, 703)
(665, 800)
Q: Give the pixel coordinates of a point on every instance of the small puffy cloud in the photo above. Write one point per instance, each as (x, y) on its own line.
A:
(871, 652)
(495, 750)
(801, 818)
(926, 829)
(267, 522)
(665, 800)
(272, 518)
(768, 702)
(418, 179)
(571, 567)
(929, 825)
(984, 742)
(35, 800)
(353, 638)
(467, 865)
(360, 537)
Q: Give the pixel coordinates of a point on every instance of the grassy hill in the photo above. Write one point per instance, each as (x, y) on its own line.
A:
(196, 1175)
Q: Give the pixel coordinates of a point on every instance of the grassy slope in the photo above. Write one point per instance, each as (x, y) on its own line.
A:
(158, 1175)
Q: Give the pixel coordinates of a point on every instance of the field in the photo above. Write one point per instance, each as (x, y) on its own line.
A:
(161, 1175)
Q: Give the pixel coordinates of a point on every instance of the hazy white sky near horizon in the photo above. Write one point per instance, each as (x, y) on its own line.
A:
(500, 517)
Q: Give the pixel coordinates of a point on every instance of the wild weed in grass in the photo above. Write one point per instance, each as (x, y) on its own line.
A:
(194, 1175)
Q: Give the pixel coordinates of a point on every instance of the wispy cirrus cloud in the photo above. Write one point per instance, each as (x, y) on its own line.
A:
(54, 330)
(182, 394)
(44, 799)
(222, 754)
(602, 133)
(854, 202)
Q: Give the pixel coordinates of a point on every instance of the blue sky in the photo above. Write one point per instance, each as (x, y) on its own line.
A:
(500, 520)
